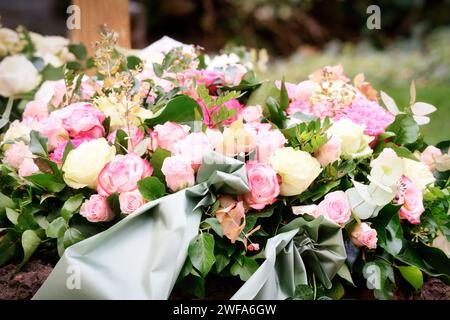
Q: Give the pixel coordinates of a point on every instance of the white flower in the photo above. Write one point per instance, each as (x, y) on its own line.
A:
(10, 42)
(418, 172)
(52, 49)
(17, 75)
(83, 164)
(354, 143)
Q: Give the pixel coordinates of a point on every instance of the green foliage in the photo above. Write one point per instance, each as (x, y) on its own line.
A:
(201, 253)
(413, 275)
(405, 128)
(151, 188)
(216, 106)
(244, 267)
(308, 136)
(389, 230)
(181, 109)
(157, 161)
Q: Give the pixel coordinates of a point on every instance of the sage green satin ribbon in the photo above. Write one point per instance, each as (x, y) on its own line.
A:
(300, 246)
(141, 256)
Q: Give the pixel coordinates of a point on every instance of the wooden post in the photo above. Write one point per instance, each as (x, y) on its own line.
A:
(95, 13)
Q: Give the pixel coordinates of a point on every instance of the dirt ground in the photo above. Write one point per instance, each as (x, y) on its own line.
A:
(23, 285)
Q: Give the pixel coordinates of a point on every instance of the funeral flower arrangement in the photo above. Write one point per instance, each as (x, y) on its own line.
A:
(333, 159)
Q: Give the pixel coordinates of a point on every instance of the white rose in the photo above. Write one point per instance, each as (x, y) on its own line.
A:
(10, 42)
(418, 172)
(83, 164)
(52, 49)
(17, 131)
(354, 143)
(17, 75)
(297, 169)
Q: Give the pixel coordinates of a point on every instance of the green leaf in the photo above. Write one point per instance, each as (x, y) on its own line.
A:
(201, 253)
(413, 275)
(114, 204)
(78, 50)
(379, 274)
(71, 206)
(6, 202)
(222, 261)
(72, 236)
(151, 188)
(158, 69)
(26, 220)
(52, 73)
(194, 285)
(133, 62)
(215, 225)
(180, 109)
(69, 147)
(245, 269)
(9, 246)
(157, 161)
(30, 242)
(337, 291)
(56, 228)
(284, 98)
(275, 113)
(405, 128)
(389, 230)
(38, 144)
(303, 292)
(12, 215)
(345, 274)
(46, 181)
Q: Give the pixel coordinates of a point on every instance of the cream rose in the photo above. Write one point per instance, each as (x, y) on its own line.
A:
(84, 163)
(297, 169)
(418, 172)
(354, 143)
(17, 75)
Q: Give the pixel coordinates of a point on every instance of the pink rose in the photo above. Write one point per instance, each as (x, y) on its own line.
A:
(36, 110)
(135, 136)
(193, 148)
(329, 152)
(52, 127)
(263, 183)
(178, 172)
(57, 154)
(335, 207)
(16, 154)
(252, 113)
(363, 235)
(269, 141)
(122, 174)
(27, 168)
(411, 198)
(131, 201)
(82, 120)
(429, 155)
(96, 209)
(169, 133)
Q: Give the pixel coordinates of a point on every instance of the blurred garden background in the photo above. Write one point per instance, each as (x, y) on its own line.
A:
(299, 35)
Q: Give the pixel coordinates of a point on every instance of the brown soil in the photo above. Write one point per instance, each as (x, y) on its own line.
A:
(22, 285)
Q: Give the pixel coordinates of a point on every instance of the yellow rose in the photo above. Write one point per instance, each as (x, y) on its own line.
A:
(83, 164)
(297, 169)
(354, 143)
